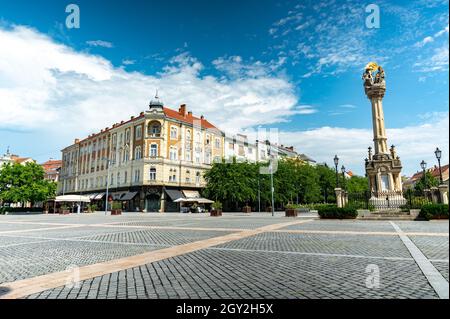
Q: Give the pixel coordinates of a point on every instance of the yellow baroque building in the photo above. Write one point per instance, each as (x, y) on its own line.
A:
(147, 162)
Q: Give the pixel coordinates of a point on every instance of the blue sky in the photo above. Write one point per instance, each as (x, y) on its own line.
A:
(291, 65)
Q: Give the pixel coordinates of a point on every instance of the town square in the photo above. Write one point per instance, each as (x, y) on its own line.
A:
(287, 158)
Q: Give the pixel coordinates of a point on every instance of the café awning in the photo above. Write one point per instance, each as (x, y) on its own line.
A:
(73, 199)
(91, 196)
(191, 194)
(129, 196)
(99, 196)
(200, 200)
(174, 194)
(117, 195)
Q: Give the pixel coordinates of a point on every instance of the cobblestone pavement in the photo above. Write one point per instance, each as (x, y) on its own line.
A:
(265, 264)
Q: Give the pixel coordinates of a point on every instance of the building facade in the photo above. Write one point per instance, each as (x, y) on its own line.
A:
(51, 170)
(147, 162)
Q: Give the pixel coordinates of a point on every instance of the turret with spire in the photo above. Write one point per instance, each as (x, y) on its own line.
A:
(156, 103)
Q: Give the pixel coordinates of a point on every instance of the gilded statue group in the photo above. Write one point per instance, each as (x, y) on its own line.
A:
(368, 78)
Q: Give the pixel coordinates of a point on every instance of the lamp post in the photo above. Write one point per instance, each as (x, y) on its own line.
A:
(423, 165)
(438, 154)
(259, 194)
(336, 162)
(343, 177)
(108, 163)
(271, 159)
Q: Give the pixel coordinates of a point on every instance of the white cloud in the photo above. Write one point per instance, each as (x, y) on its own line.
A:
(100, 43)
(413, 143)
(48, 86)
(128, 62)
(348, 106)
(437, 62)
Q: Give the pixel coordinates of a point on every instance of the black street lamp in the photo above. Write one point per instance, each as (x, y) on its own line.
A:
(336, 163)
(423, 165)
(438, 154)
(343, 176)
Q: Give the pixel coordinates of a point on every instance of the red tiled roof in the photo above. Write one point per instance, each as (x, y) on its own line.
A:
(51, 165)
(188, 118)
(434, 172)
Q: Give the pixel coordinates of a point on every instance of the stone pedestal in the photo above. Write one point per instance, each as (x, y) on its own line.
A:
(339, 197)
(435, 195)
(443, 191)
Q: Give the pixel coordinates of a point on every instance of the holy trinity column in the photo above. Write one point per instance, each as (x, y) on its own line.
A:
(383, 166)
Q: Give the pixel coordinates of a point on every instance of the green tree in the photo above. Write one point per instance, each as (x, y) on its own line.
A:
(24, 183)
(357, 184)
(231, 182)
(327, 183)
(308, 181)
(421, 185)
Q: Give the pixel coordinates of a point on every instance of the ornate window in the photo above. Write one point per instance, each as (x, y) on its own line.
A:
(188, 135)
(138, 132)
(138, 153)
(173, 132)
(152, 174)
(173, 153)
(154, 150)
(217, 143)
(137, 174)
(154, 129)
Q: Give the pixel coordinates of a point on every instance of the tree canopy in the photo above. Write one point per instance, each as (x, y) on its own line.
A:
(294, 181)
(24, 183)
(426, 183)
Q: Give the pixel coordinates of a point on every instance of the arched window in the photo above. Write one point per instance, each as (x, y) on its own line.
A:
(137, 153)
(173, 132)
(154, 150)
(154, 129)
(197, 178)
(188, 135)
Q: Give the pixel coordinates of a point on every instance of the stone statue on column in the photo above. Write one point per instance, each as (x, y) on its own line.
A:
(383, 166)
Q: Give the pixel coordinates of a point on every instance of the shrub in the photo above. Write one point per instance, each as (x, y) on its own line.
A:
(332, 211)
(292, 206)
(217, 205)
(116, 205)
(20, 209)
(322, 206)
(434, 211)
(2, 210)
(92, 207)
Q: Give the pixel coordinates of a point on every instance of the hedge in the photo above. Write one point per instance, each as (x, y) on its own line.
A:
(434, 211)
(20, 209)
(334, 212)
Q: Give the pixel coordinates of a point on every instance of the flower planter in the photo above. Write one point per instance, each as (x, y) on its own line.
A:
(64, 212)
(116, 212)
(247, 209)
(216, 212)
(291, 213)
(269, 209)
